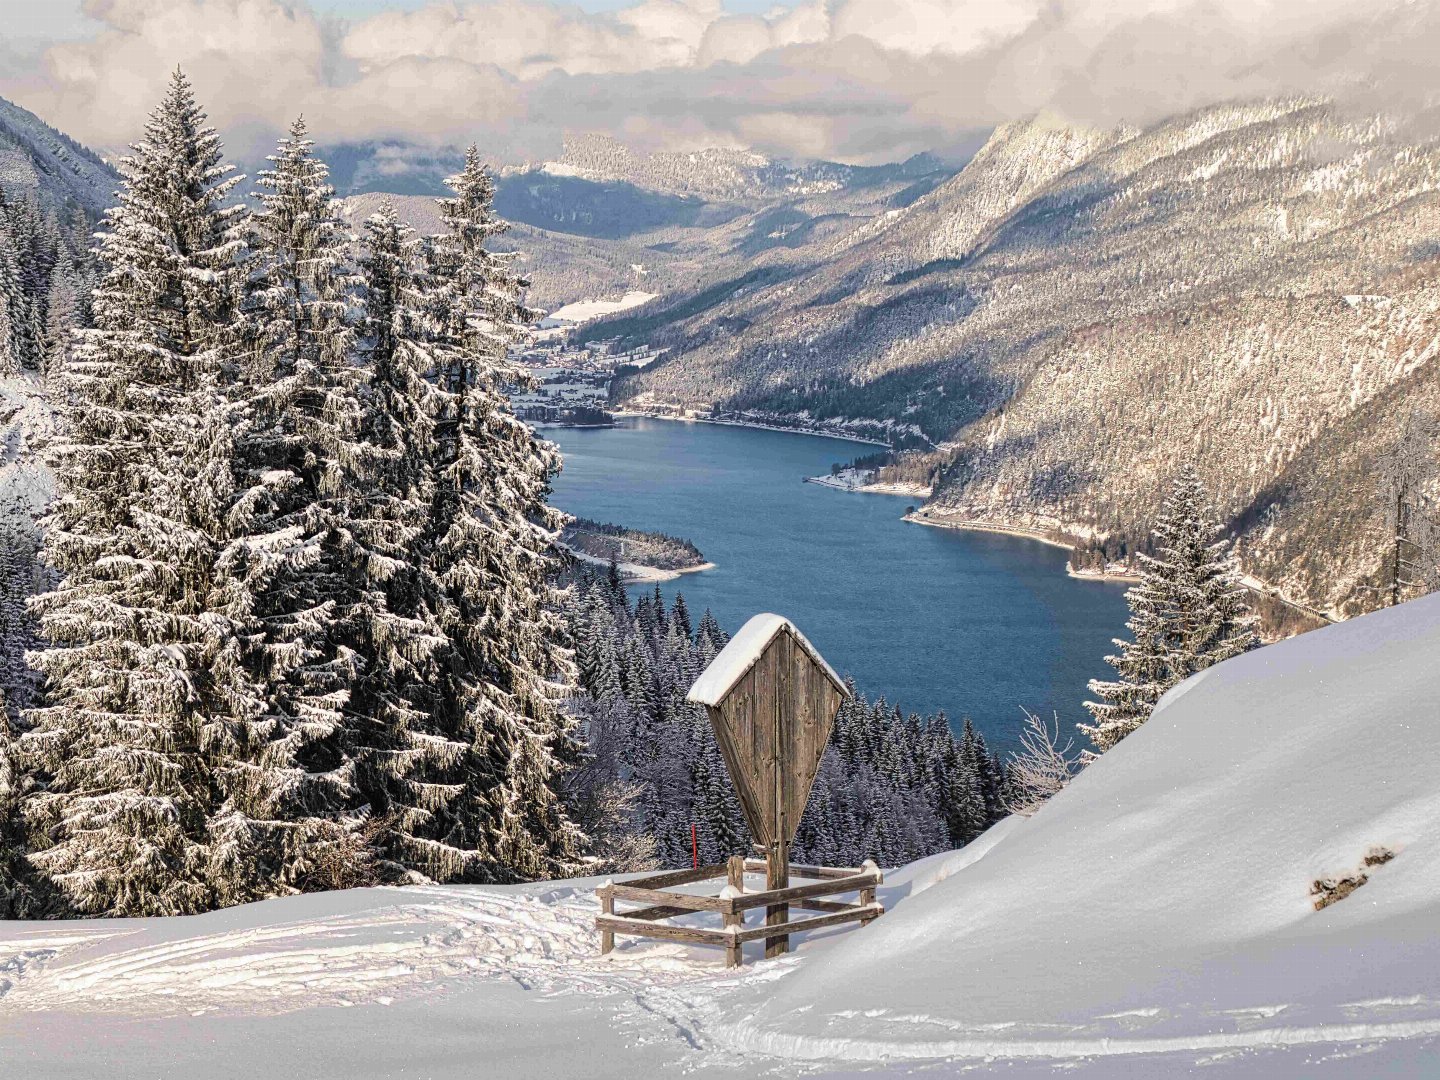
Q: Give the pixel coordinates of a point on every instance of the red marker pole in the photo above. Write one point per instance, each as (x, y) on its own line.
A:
(694, 846)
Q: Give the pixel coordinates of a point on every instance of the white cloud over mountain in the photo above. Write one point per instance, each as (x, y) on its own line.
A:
(851, 79)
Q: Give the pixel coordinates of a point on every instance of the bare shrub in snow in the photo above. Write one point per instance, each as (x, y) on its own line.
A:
(1042, 767)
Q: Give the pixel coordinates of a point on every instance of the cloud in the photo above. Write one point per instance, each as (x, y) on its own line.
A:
(857, 80)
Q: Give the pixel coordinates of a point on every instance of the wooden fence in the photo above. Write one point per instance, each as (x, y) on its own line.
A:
(659, 901)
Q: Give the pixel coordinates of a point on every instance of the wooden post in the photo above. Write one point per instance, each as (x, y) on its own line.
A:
(607, 907)
(735, 878)
(777, 876)
(777, 857)
(867, 896)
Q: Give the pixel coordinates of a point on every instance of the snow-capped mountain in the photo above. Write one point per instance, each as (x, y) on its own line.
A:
(36, 159)
(720, 174)
(1081, 310)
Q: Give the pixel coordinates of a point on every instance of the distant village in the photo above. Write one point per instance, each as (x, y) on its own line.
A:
(572, 379)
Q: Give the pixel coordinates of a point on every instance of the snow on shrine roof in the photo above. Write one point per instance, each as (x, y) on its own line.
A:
(740, 655)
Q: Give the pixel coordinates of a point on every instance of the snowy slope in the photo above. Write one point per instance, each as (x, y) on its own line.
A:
(26, 421)
(1162, 901)
(1153, 921)
(464, 981)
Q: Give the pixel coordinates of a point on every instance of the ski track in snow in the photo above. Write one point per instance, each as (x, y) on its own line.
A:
(410, 942)
(426, 938)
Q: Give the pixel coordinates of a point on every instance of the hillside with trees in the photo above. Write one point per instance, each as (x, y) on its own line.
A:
(890, 787)
(621, 544)
(1079, 312)
(298, 628)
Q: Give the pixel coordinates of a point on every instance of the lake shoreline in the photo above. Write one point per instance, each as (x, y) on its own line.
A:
(1249, 581)
(750, 424)
(972, 525)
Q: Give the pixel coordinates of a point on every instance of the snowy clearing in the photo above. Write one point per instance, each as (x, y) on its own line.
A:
(864, 480)
(585, 310)
(1155, 919)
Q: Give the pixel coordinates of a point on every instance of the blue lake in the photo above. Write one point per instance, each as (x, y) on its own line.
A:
(976, 624)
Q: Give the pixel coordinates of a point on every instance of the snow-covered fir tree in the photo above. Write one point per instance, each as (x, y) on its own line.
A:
(283, 774)
(1143, 666)
(18, 575)
(485, 804)
(20, 578)
(11, 302)
(142, 665)
(1188, 611)
(402, 754)
(63, 316)
(44, 270)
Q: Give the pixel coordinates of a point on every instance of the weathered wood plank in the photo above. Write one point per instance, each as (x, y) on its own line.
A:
(867, 899)
(696, 935)
(677, 877)
(776, 914)
(818, 922)
(827, 905)
(673, 899)
(757, 866)
(607, 907)
(802, 892)
(655, 911)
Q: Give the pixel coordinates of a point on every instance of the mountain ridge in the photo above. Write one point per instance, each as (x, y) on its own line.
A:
(1078, 311)
(37, 158)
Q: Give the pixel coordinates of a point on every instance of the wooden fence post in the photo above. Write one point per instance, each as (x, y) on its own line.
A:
(867, 896)
(607, 907)
(735, 878)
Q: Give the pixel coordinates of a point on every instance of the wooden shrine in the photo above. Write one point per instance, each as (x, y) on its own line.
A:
(772, 700)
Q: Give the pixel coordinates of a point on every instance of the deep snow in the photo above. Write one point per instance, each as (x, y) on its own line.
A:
(1163, 899)
(1153, 920)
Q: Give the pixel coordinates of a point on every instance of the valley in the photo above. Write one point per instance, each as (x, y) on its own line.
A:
(427, 647)
(1077, 312)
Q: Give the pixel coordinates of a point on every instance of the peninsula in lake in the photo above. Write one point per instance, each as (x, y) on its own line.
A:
(638, 555)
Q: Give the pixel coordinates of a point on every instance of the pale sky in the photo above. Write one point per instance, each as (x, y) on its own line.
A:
(55, 20)
(851, 80)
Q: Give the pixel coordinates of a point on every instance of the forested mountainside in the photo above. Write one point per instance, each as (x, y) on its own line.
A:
(604, 220)
(38, 161)
(723, 175)
(1079, 311)
(562, 267)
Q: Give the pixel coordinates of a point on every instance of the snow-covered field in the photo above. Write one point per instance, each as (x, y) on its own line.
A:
(864, 480)
(585, 310)
(1154, 920)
